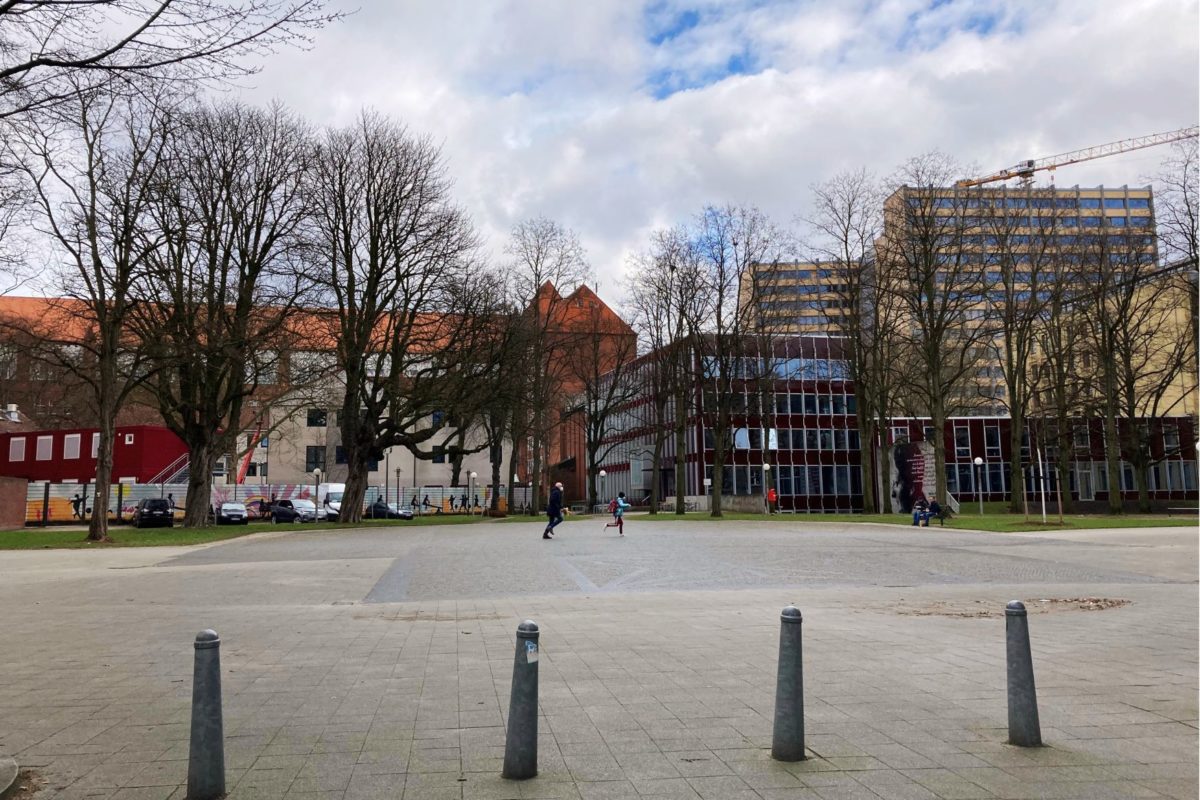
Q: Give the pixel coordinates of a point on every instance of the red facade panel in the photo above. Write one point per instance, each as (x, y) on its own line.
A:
(140, 452)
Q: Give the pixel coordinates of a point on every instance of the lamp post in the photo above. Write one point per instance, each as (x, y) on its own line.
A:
(978, 483)
(767, 485)
(316, 489)
(471, 493)
(603, 481)
(398, 503)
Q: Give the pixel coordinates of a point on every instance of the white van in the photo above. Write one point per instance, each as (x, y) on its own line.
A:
(329, 499)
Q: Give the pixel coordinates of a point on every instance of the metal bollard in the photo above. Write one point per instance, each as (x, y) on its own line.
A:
(1024, 729)
(520, 744)
(787, 742)
(206, 757)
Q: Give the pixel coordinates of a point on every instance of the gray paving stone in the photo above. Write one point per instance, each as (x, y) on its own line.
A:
(657, 668)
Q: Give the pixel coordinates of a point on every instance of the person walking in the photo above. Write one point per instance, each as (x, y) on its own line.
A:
(77, 506)
(617, 507)
(554, 511)
(772, 497)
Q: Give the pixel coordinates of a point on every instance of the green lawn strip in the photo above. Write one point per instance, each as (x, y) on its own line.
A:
(988, 522)
(124, 536)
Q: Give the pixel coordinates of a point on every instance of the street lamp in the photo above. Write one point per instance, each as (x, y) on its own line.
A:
(766, 485)
(603, 486)
(978, 483)
(398, 501)
(471, 492)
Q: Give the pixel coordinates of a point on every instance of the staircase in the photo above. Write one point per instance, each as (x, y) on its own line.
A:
(178, 471)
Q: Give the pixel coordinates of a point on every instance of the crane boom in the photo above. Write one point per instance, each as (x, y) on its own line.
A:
(1024, 170)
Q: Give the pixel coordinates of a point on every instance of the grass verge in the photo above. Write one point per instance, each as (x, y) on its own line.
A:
(124, 536)
(988, 522)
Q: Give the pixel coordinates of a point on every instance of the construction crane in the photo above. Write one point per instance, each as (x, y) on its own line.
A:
(1024, 170)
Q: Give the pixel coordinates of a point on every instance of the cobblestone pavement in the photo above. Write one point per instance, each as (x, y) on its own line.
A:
(364, 664)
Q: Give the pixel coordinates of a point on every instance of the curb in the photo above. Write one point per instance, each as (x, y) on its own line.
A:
(8, 775)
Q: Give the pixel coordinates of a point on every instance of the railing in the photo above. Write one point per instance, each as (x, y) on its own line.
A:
(171, 470)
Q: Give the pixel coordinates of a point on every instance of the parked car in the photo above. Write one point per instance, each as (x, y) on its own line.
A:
(382, 510)
(258, 510)
(307, 509)
(153, 512)
(232, 514)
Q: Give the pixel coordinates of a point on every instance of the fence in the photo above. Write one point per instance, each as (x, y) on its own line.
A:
(64, 503)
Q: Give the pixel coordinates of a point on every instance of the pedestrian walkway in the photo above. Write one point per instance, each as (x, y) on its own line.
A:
(377, 664)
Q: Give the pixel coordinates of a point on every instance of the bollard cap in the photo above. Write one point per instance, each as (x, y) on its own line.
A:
(206, 639)
(791, 614)
(527, 630)
(1015, 608)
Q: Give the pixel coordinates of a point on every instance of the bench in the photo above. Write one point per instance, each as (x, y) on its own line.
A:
(1182, 510)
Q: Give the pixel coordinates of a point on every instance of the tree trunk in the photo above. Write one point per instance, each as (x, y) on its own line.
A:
(1064, 466)
(535, 480)
(660, 436)
(199, 491)
(1112, 456)
(866, 458)
(938, 417)
(356, 486)
(496, 457)
(681, 451)
(1016, 483)
(98, 524)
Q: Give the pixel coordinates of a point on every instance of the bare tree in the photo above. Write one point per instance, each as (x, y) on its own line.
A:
(940, 289)
(50, 49)
(1177, 203)
(224, 281)
(390, 254)
(845, 221)
(544, 259)
(94, 166)
(663, 283)
(602, 365)
(728, 242)
(1133, 323)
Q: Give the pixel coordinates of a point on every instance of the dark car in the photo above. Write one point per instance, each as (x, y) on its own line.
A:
(382, 510)
(153, 512)
(293, 511)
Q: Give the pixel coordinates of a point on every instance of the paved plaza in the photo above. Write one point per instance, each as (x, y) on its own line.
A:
(376, 663)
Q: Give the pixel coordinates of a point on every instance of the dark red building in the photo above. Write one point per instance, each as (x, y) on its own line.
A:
(141, 454)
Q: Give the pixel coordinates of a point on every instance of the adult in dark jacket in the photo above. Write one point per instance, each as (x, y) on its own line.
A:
(554, 511)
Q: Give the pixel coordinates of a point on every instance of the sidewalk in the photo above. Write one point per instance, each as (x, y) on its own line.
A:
(644, 694)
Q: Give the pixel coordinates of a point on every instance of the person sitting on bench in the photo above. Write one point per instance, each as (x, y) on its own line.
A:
(921, 511)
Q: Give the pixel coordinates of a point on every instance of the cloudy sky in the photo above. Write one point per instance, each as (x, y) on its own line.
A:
(616, 117)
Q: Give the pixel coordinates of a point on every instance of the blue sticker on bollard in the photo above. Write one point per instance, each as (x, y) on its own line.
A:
(531, 652)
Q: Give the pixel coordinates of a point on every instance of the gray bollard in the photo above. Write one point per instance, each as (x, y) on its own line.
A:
(520, 744)
(1024, 729)
(787, 742)
(206, 758)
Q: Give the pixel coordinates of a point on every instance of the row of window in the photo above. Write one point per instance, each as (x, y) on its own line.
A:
(814, 439)
(44, 447)
(1036, 202)
(315, 458)
(844, 480)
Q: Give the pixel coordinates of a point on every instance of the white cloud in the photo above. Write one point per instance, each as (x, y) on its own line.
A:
(550, 108)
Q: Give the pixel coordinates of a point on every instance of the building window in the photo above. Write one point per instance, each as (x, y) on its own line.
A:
(317, 418)
(45, 448)
(8, 362)
(1082, 437)
(1114, 202)
(95, 445)
(852, 439)
(811, 440)
(1089, 202)
(991, 440)
(962, 442)
(1189, 476)
(899, 435)
(826, 436)
(439, 454)
(839, 439)
(16, 448)
(71, 444)
(314, 457)
(1171, 439)
(339, 454)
